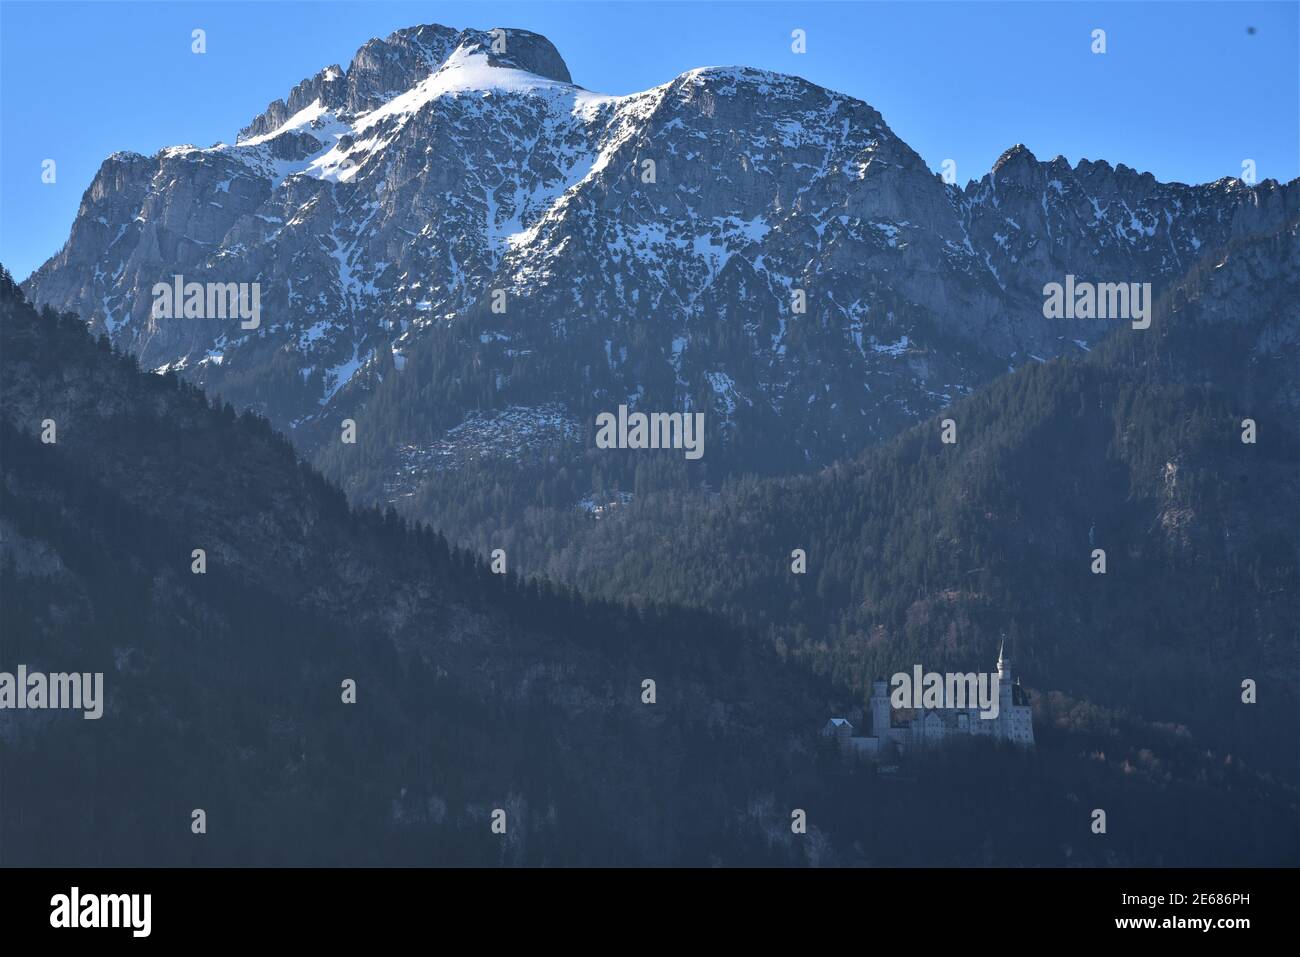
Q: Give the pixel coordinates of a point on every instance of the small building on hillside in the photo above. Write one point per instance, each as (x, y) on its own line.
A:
(923, 727)
(837, 728)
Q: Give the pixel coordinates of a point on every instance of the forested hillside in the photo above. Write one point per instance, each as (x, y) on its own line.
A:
(921, 551)
(475, 692)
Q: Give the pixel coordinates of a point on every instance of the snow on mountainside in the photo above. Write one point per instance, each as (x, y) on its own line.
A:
(384, 209)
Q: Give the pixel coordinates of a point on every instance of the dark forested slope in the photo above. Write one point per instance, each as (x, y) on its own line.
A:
(921, 551)
(474, 692)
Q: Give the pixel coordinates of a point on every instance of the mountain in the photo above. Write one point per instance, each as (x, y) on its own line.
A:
(468, 257)
(475, 691)
(385, 209)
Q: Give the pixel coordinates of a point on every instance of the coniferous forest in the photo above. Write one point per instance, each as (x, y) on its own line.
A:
(473, 684)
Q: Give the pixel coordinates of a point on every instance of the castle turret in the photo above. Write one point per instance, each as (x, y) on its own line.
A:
(880, 708)
(1004, 722)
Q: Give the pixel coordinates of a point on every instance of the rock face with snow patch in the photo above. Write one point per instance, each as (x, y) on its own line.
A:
(647, 249)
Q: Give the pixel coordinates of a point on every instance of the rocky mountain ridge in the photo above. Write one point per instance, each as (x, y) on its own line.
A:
(450, 228)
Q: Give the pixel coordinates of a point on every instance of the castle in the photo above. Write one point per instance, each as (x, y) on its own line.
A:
(929, 726)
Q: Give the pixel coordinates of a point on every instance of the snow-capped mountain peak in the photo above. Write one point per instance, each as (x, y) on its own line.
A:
(383, 70)
(733, 239)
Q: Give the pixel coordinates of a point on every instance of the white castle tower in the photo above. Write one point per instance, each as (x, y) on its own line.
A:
(880, 711)
(1015, 717)
(1004, 679)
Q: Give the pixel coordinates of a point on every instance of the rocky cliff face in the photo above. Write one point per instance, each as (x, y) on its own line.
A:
(651, 249)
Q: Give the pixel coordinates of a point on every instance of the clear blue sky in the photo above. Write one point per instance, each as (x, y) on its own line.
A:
(1184, 90)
